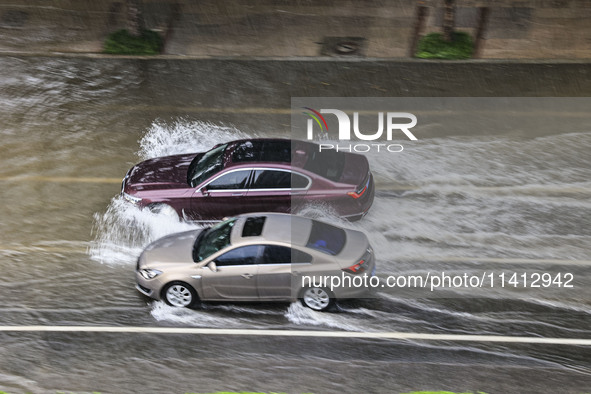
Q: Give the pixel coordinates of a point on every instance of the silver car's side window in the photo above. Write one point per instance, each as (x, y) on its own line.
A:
(299, 257)
(275, 254)
(245, 255)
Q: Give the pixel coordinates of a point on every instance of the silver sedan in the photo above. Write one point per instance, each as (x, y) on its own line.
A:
(258, 257)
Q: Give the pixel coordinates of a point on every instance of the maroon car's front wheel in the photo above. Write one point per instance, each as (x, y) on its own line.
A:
(165, 210)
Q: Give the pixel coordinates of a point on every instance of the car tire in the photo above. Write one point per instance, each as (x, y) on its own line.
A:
(180, 294)
(165, 210)
(317, 298)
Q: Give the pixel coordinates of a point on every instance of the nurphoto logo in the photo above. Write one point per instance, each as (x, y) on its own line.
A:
(395, 122)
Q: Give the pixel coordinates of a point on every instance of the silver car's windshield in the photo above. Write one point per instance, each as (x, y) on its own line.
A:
(209, 164)
(212, 240)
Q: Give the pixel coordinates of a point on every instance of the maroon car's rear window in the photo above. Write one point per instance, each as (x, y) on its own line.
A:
(328, 164)
(262, 151)
(326, 238)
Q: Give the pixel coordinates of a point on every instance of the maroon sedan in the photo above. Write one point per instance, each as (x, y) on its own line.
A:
(254, 175)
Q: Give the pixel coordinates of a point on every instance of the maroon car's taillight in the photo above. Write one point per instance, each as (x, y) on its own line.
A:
(361, 189)
(357, 194)
(356, 268)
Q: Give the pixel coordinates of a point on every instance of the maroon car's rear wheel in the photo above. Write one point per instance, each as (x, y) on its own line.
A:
(180, 294)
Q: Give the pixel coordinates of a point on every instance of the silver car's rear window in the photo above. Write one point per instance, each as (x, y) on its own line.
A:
(326, 238)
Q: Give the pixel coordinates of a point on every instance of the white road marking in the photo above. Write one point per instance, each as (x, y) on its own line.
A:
(497, 260)
(60, 179)
(301, 333)
(42, 249)
(371, 112)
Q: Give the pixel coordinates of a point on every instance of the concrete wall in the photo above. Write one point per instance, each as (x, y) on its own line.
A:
(534, 29)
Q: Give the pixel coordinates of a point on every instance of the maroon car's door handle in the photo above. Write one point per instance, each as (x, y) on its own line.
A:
(237, 194)
(297, 193)
(247, 276)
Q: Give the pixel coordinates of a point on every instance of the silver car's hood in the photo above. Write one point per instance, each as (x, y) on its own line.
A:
(176, 248)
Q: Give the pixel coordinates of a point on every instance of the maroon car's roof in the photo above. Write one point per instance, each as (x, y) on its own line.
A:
(294, 153)
(341, 167)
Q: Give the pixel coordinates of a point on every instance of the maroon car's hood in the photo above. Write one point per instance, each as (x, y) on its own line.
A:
(169, 172)
(355, 169)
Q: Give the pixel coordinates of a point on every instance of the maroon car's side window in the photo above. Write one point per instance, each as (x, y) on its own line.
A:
(231, 181)
(278, 179)
(299, 181)
(271, 179)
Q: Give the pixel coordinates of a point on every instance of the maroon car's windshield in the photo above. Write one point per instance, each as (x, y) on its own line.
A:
(206, 165)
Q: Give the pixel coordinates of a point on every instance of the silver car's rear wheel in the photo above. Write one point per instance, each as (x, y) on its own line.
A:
(317, 298)
(180, 294)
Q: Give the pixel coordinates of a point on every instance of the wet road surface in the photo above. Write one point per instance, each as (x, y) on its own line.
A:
(484, 201)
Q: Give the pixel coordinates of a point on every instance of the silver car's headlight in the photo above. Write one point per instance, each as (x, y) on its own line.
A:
(149, 273)
(131, 199)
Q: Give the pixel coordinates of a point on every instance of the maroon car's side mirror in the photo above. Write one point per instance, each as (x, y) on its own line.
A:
(204, 191)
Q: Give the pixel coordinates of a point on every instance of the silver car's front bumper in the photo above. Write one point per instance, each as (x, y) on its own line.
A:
(150, 288)
(144, 290)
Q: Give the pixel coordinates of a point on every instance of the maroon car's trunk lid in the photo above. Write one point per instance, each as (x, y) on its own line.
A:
(355, 170)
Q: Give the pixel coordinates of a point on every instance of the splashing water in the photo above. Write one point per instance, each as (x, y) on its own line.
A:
(183, 136)
(302, 316)
(123, 230)
(196, 318)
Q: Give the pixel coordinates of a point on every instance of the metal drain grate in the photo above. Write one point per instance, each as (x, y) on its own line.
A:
(343, 46)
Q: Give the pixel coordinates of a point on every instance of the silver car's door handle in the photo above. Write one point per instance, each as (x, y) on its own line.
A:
(247, 276)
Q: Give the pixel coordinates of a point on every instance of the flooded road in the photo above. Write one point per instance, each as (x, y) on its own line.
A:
(483, 201)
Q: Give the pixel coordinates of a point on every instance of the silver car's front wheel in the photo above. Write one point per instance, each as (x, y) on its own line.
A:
(180, 294)
(317, 298)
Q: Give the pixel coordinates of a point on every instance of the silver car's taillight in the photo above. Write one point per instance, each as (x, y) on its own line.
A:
(362, 265)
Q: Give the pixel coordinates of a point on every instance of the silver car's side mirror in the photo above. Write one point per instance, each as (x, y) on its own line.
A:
(212, 266)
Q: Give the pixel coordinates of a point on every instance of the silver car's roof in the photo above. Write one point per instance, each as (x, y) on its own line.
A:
(278, 227)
